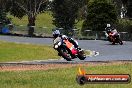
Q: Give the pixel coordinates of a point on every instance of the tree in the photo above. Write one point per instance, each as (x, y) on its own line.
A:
(129, 8)
(3, 3)
(118, 4)
(100, 12)
(31, 8)
(121, 6)
(82, 13)
(65, 13)
(3, 10)
(2, 16)
(4, 20)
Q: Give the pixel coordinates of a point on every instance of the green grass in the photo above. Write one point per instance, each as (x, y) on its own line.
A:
(61, 78)
(43, 23)
(20, 52)
(42, 20)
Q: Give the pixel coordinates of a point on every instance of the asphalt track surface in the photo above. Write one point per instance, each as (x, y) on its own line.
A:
(107, 51)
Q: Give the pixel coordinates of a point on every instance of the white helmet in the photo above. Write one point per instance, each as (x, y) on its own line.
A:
(108, 25)
(56, 33)
(64, 37)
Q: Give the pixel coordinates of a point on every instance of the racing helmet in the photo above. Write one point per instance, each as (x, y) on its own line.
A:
(108, 25)
(56, 33)
(64, 37)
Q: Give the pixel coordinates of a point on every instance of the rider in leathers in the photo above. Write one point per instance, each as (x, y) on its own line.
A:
(112, 31)
(59, 38)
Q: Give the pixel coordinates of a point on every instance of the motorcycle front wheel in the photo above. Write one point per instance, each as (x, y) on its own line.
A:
(65, 55)
(120, 42)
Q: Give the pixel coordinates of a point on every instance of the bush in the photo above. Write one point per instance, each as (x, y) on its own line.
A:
(100, 12)
(124, 25)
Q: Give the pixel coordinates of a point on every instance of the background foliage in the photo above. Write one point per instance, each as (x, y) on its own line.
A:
(100, 12)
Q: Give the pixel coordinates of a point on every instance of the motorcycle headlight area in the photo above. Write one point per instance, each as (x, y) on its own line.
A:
(56, 46)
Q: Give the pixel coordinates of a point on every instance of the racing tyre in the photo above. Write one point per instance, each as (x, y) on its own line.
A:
(120, 42)
(81, 55)
(65, 55)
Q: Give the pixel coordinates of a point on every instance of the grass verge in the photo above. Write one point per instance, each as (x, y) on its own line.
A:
(21, 52)
(62, 77)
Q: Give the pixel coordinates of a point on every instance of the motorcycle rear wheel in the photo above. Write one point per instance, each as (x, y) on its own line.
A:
(81, 55)
(120, 41)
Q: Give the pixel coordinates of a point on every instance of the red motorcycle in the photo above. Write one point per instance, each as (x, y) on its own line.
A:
(114, 39)
(68, 51)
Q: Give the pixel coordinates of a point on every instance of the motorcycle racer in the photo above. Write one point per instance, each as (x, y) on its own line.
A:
(67, 47)
(112, 35)
(58, 37)
(111, 31)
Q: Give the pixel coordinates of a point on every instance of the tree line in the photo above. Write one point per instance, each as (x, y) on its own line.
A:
(67, 13)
